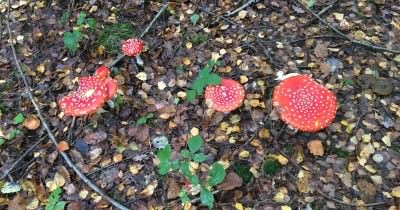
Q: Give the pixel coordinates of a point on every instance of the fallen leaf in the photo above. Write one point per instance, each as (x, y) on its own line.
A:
(316, 148)
(62, 146)
(232, 180)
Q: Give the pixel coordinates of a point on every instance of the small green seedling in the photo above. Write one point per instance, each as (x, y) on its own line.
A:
(204, 78)
(18, 119)
(193, 153)
(54, 200)
(72, 39)
(143, 120)
(194, 18)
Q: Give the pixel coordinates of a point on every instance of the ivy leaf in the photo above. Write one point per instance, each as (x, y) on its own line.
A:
(206, 197)
(195, 143)
(191, 95)
(199, 157)
(19, 118)
(164, 154)
(213, 79)
(194, 18)
(216, 174)
(81, 18)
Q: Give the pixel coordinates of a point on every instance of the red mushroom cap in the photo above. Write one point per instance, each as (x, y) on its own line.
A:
(91, 95)
(225, 97)
(132, 47)
(304, 104)
(102, 72)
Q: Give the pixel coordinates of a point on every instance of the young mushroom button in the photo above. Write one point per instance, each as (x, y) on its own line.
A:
(225, 97)
(304, 104)
(132, 47)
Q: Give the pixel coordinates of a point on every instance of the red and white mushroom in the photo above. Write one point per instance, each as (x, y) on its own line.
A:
(304, 104)
(225, 97)
(132, 47)
(91, 94)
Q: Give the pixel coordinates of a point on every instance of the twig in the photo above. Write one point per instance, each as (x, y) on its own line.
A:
(370, 46)
(15, 163)
(121, 56)
(46, 126)
(349, 204)
(241, 8)
(69, 136)
(320, 13)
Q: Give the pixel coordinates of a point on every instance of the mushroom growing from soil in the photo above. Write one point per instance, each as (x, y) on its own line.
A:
(304, 104)
(91, 94)
(132, 47)
(225, 97)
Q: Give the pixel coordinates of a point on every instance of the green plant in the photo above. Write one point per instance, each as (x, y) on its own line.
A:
(199, 38)
(193, 153)
(111, 36)
(19, 118)
(341, 153)
(271, 166)
(13, 134)
(144, 119)
(204, 78)
(194, 18)
(54, 200)
(242, 169)
(72, 39)
(64, 18)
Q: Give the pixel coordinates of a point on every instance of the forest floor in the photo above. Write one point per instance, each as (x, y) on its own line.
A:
(350, 47)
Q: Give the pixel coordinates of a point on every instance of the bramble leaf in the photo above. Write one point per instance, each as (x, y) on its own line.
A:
(216, 174)
(206, 197)
(195, 143)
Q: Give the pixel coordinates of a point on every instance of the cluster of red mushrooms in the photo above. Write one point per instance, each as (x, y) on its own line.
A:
(301, 102)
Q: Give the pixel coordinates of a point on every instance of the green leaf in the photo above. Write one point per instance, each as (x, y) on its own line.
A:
(271, 166)
(194, 180)
(206, 197)
(311, 3)
(71, 40)
(164, 167)
(64, 18)
(191, 95)
(185, 153)
(150, 115)
(194, 18)
(213, 79)
(141, 121)
(164, 154)
(185, 169)
(195, 143)
(2, 141)
(205, 71)
(91, 23)
(184, 196)
(14, 133)
(199, 157)
(216, 174)
(199, 85)
(175, 164)
(53, 201)
(19, 118)
(81, 18)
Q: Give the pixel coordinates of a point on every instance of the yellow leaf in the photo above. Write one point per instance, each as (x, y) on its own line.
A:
(285, 208)
(396, 192)
(238, 206)
(244, 154)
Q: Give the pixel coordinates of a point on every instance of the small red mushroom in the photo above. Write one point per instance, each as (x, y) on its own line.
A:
(304, 104)
(225, 97)
(132, 47)
(91, 94)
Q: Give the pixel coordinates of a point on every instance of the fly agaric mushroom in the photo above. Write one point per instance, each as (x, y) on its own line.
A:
(225, 97)
(91, 94)
(132, 47)
(304, 104)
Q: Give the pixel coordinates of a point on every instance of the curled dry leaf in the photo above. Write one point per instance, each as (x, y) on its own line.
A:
(31, 122)
(63, 146)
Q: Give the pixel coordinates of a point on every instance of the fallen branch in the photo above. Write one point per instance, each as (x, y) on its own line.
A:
(121, 56)
(366, 45)
(15, 163)
(248, 3)
(320, 13)
(46, 126)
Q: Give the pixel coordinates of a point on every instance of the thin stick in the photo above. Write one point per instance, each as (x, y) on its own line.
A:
(370, 46)
(241, 8)
(46, 126)
(15, 163)
(321, 13)
(121, 56)
(349, 204)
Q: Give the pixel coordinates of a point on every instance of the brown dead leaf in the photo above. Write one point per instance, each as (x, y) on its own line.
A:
(31, 122)
(321, 49)
(96, 137)
(62, 146)
(316, 148)
(173, 189)
(231, 181)
(16, 203)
